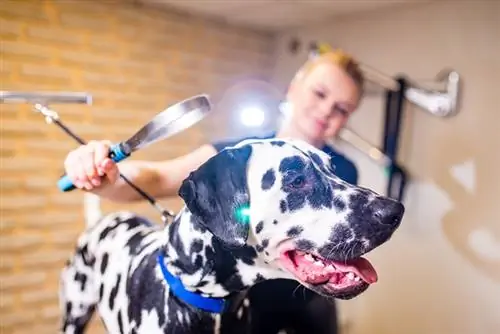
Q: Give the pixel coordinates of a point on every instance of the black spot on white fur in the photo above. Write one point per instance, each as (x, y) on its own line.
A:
(283, 206)
(294, 231)
(279, 143)
(114, 292)
(107, 230)
(101, 291)
(268, 179)
(104, 262)
(82, 279)
(83, 251)
(69, 306)
(259, 227)
(120, 322)
(263, 245)
(196, 246)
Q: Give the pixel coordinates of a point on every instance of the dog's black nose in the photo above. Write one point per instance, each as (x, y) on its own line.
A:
(388, 211)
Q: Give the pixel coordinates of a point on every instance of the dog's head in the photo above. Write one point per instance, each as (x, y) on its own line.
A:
(283, 198)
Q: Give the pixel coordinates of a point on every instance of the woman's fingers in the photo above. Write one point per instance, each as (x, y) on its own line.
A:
(86, 165)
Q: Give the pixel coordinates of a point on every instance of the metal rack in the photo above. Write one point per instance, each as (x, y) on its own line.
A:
(439, 97)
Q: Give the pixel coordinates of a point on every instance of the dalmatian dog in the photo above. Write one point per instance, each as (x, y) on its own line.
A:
(260, 210)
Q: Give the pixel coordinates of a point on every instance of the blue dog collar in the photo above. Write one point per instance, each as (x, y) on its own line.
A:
(214, 305)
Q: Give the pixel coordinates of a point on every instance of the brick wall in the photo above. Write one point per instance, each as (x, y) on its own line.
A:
(134, 61)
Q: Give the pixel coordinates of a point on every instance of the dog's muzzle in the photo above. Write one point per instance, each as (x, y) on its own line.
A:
(337, 269)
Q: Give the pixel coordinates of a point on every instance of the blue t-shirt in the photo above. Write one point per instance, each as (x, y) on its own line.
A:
(344, 167)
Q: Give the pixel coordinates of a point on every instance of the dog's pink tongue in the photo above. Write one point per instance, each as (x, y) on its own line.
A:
(314, 273)
(361, 267)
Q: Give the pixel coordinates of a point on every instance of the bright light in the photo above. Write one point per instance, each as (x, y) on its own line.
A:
(252, 117)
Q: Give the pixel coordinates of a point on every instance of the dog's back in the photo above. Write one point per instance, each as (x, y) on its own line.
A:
(97, 275)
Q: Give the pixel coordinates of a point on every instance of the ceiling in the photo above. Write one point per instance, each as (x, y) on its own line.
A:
(274, 15)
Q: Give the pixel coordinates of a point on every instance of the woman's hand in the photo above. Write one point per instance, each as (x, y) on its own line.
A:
(89, 166)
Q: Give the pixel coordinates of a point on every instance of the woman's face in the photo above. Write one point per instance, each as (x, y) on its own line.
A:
(322, 101)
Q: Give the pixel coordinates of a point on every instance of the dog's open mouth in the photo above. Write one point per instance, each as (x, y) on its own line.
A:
(331, 275)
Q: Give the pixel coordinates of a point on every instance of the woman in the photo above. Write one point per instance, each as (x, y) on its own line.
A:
(322, 96)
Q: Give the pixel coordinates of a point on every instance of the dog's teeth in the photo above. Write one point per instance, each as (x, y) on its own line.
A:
(319, 264)
(357, 279)
(330, 268)
(309, 257)
(350, 275)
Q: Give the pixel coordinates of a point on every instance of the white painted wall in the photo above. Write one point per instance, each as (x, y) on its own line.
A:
(441, 272)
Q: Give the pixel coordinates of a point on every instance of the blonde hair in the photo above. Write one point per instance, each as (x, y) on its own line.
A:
(323, 54)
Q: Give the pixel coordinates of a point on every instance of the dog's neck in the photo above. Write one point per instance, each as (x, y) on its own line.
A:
(205, 265)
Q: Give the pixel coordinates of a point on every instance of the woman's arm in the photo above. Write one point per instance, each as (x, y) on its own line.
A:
(159, 179)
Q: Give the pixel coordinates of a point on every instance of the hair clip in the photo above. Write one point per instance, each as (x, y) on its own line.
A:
(318, 49)
(338, 55)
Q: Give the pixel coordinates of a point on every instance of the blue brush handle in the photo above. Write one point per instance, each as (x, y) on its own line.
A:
(116, 153)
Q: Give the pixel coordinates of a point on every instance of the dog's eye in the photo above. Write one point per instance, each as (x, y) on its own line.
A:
(298, 182)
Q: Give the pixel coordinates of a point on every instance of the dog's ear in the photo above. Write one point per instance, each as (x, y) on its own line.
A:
(217, 193)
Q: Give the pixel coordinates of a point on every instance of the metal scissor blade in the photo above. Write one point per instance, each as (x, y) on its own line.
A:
(171, 121)
(173, 127)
